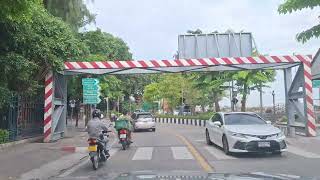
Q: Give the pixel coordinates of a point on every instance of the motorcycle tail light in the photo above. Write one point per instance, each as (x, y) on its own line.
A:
(123, 131)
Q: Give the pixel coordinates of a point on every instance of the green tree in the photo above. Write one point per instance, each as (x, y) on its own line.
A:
(212, 83)
(290, 6)
(102, 47)
(252, 80)
(151, 93)
(29, 47)
(105, 46)
(73, 12)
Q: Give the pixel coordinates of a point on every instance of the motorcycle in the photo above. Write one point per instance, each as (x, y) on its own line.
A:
(124, 139)
(96, 150)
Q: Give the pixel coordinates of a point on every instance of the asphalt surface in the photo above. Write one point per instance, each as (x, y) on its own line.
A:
(183, 148)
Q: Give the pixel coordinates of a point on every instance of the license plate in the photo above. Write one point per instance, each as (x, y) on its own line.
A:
(93, 148)
(263, 144)
(123, 136)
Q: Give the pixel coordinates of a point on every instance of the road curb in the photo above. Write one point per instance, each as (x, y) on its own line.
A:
(24, 141)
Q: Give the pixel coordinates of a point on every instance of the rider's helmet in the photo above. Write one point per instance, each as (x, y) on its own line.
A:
(96, 113)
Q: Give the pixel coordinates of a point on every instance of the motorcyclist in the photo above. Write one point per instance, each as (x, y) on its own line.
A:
(95, 129)
(125, 116)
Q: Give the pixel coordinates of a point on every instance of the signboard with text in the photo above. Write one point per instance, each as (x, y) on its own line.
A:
(91, 91)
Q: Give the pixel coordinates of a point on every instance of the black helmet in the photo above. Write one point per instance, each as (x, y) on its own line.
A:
(96, 113)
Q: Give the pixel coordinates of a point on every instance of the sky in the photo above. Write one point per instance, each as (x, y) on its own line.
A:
(151, 28)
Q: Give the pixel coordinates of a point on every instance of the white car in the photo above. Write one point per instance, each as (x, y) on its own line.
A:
(244, 132)
(143, 121)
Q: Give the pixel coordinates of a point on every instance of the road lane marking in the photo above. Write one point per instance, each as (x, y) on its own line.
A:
(302, 152)
(143, 153)
(203, 163)
(217, 153)
(181, 153)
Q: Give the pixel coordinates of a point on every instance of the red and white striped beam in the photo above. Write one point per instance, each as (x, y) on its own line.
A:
(186, 62)
(48, 107)
(305, 60)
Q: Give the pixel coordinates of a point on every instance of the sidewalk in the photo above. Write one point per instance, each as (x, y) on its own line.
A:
(310, 144)
(22, 158)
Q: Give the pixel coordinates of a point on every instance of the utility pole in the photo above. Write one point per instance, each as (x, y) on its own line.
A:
(231, 99)
(274, 103)
(261, 103)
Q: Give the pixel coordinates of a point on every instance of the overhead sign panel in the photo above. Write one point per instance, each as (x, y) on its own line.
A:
(214, 45)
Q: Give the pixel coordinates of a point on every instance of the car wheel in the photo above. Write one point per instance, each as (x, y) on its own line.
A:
(209, 142)
(225, 145)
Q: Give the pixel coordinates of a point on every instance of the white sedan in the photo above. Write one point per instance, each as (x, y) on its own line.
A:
(244, 132)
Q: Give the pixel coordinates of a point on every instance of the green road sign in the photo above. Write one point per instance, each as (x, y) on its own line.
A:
(91, 91)
(316, 83)
(90, 81)
(91, 87)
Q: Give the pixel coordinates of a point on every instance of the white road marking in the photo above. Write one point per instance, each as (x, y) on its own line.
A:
(200, 140)
(302, 152)
(181, 153)
(217, 153)
(143, 153)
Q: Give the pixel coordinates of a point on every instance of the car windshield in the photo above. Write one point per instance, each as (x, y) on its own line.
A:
(242, 119)
(144, 116)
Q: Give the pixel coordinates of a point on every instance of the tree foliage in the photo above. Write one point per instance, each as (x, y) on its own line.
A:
(73, 12)
(31, 43)
(290, 6)
(105, 45)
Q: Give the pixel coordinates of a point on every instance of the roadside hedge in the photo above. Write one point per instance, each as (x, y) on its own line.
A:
(4, 136)
(205, 116)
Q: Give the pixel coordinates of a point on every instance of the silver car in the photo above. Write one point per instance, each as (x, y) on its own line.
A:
(244, 132)
(143, 121)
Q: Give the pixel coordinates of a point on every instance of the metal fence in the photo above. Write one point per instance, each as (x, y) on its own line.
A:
(22, 117)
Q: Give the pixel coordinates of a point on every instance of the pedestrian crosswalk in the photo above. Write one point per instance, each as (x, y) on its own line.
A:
(143, 153)
(181, 153)
(208, 152)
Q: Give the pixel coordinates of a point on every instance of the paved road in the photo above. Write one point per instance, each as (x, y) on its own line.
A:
(182, 147)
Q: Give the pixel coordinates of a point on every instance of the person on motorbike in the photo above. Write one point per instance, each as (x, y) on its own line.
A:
(95, 129)
(125, 116)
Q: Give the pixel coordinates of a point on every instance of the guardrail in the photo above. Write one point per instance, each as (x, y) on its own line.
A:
(194, 122)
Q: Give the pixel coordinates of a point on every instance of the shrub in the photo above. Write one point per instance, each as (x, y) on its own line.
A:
(204, 116)
(4, 136)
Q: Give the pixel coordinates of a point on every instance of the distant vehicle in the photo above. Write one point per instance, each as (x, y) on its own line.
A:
(244, 132)
(176, 112)
(143, 121)
(185, 110)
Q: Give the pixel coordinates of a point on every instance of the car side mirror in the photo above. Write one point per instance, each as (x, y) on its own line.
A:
(268, 122)
(217, 123)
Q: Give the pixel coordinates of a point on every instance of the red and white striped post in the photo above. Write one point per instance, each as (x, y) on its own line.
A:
(311, 122)
(48, 107)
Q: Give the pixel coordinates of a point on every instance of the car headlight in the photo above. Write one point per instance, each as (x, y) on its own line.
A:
(238, 135)
(280, 134)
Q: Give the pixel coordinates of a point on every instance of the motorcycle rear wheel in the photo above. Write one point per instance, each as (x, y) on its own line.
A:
(95, 162)
(124, 145)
